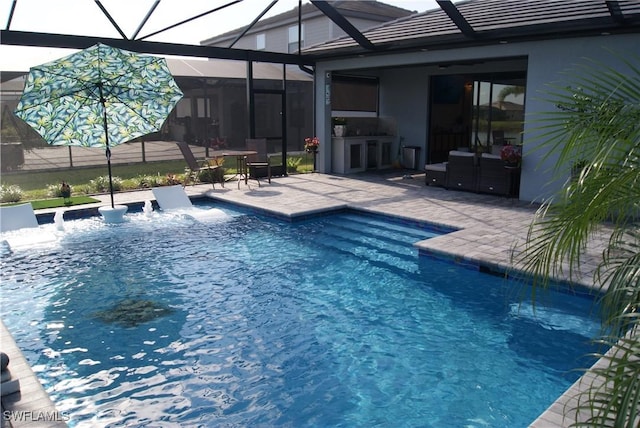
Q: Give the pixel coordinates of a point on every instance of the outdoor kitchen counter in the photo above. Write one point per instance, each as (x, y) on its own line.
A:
(362, 152)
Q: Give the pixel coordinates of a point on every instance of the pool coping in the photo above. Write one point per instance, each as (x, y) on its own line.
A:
(552, 417)
(31, 406)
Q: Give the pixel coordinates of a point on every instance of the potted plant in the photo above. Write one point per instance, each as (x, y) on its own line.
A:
(339, 126)
(65, 192)
(311, 145)
(511, 155)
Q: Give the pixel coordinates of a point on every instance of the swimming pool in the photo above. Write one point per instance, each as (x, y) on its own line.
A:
(245, 320)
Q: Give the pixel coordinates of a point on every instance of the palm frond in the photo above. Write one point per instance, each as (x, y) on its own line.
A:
(611, 396)
(593, 137)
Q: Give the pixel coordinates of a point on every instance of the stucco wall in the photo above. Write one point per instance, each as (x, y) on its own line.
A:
(410, 113)
(554, 63)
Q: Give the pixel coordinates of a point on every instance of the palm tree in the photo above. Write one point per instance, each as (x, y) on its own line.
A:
(509, 90)
(596, 131)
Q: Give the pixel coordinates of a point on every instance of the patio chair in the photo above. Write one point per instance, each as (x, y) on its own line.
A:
(435, 174)
(258, 165)
(493, 177)
(498, 137)
(462, 171)
(196, 167)
(17, 217)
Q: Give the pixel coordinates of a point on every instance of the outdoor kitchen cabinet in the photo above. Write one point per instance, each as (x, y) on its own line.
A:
(360, 153)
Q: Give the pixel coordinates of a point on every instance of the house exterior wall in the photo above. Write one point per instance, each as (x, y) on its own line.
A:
(317, 29)
(335, 31)
(548, 64)
(404, 91)
(276, 39)
(410, 113)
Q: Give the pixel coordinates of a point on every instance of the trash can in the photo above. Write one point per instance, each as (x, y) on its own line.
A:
(411, 157)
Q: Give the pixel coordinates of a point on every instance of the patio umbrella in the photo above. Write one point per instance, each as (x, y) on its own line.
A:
(98, 97)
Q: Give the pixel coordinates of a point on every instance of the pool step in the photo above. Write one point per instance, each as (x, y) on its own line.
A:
(412, 233)
(380, 243)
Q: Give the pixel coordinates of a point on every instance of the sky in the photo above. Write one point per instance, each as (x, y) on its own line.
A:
(83, 17)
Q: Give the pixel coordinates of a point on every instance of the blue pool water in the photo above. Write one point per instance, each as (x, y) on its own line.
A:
(332, 321)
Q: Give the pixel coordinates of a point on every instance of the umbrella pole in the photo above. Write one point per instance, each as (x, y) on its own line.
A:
(110, 179)
(106, 138)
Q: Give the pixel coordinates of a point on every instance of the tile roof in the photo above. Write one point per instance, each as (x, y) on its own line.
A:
(492, 20)
(370, 9)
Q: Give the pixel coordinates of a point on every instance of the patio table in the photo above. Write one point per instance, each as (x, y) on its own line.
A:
(242, 172)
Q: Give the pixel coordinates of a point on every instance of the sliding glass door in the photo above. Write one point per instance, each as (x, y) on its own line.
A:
(497, 112)
(475, 111)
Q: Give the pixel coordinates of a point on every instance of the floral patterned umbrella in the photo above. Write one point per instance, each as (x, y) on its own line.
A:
(98, 97)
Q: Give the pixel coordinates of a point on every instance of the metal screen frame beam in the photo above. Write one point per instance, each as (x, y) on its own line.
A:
(615, 11)
(454, 14)
(23, 38)
(256, 19)
(343, 23)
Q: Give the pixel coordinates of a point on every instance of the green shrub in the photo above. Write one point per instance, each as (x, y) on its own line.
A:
(82, 189)
(209, 176)
(149, 181)
(101, 184)
(171, 180)
(293, 163)
(11, 193)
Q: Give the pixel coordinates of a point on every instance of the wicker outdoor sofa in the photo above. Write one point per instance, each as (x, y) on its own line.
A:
(485, 173)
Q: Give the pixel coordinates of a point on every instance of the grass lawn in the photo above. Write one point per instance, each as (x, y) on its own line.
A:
(34, 180)
(35, 184)
(41, 204)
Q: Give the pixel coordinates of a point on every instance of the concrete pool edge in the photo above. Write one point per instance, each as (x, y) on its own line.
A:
(30, 406)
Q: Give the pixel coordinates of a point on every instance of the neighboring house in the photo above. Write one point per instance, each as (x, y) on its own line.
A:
(436, 74)
(280, 33)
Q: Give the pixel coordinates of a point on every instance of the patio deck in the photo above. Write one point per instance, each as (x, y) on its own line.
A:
(489, 226)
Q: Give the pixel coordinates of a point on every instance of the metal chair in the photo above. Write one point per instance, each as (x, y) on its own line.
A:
(195, 167)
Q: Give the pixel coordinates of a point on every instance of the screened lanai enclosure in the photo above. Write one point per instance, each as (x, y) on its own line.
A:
(214, 113)
(230, 95)
(219, 109)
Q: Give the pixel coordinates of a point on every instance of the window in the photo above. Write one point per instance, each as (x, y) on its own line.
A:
(293, 38)
(261, 41)
(183, 109)
(354, 93)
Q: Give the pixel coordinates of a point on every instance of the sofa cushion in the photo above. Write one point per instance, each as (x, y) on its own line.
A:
(442, 167)
(462, 154)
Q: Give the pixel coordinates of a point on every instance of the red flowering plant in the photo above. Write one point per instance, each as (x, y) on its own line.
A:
(311, 144)
(512, 155)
